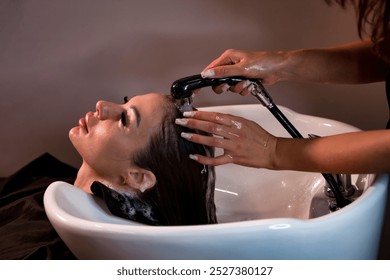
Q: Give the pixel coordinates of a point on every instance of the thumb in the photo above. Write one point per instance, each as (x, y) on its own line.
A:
(222, 71)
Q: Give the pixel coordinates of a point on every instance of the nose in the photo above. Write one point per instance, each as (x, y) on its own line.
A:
(107, 110)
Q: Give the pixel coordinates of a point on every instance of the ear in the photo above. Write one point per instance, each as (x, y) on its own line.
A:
(140, 179)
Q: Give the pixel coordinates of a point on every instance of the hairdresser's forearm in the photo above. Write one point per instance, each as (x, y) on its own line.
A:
(352, 153)
(347, 64)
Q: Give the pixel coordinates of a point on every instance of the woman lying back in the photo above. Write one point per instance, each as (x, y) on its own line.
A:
(134, 157)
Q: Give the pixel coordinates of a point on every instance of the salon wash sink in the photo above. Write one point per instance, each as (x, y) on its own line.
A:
(262, 214)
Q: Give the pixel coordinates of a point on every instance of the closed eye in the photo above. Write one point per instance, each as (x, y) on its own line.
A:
(124, 119)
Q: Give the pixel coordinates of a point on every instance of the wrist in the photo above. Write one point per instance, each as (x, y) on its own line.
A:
(271, 148)
(293, 61)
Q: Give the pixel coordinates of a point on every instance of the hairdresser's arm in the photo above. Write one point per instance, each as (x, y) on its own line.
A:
(246, 143)
(347, 64)
(357, 152)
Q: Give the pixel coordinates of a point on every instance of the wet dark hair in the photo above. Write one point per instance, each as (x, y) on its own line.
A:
(373, 18)
(184, 189)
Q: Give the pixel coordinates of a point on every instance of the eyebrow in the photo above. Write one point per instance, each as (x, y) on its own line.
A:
(137, 115)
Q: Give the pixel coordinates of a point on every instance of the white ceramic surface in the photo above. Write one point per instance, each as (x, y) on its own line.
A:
(262, 214)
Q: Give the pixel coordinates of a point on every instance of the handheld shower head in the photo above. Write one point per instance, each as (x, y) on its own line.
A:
(184, 87)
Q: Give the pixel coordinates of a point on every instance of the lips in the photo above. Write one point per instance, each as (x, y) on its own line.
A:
(83, 122)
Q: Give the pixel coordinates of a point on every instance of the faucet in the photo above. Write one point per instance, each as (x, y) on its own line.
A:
(347, 189)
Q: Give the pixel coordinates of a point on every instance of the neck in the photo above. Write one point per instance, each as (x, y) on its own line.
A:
(85, 177)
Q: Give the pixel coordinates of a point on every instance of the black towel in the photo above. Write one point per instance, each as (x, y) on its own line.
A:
(25, 231)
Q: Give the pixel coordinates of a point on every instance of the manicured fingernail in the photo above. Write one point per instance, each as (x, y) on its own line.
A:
(247, 83)
(186, 135)
(194, 157)
(181, 121)
(208, 73)
(189, 114)
(225, 87)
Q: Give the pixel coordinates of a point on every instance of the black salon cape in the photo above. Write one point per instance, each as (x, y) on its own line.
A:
(25, 231)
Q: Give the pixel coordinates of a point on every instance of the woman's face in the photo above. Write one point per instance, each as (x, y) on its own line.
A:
(107, 138)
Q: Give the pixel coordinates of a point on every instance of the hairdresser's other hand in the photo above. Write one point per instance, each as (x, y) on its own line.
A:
(265, 66)
(243, 141)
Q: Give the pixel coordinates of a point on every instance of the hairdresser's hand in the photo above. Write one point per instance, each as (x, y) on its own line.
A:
(244, 142)
(265, 66)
